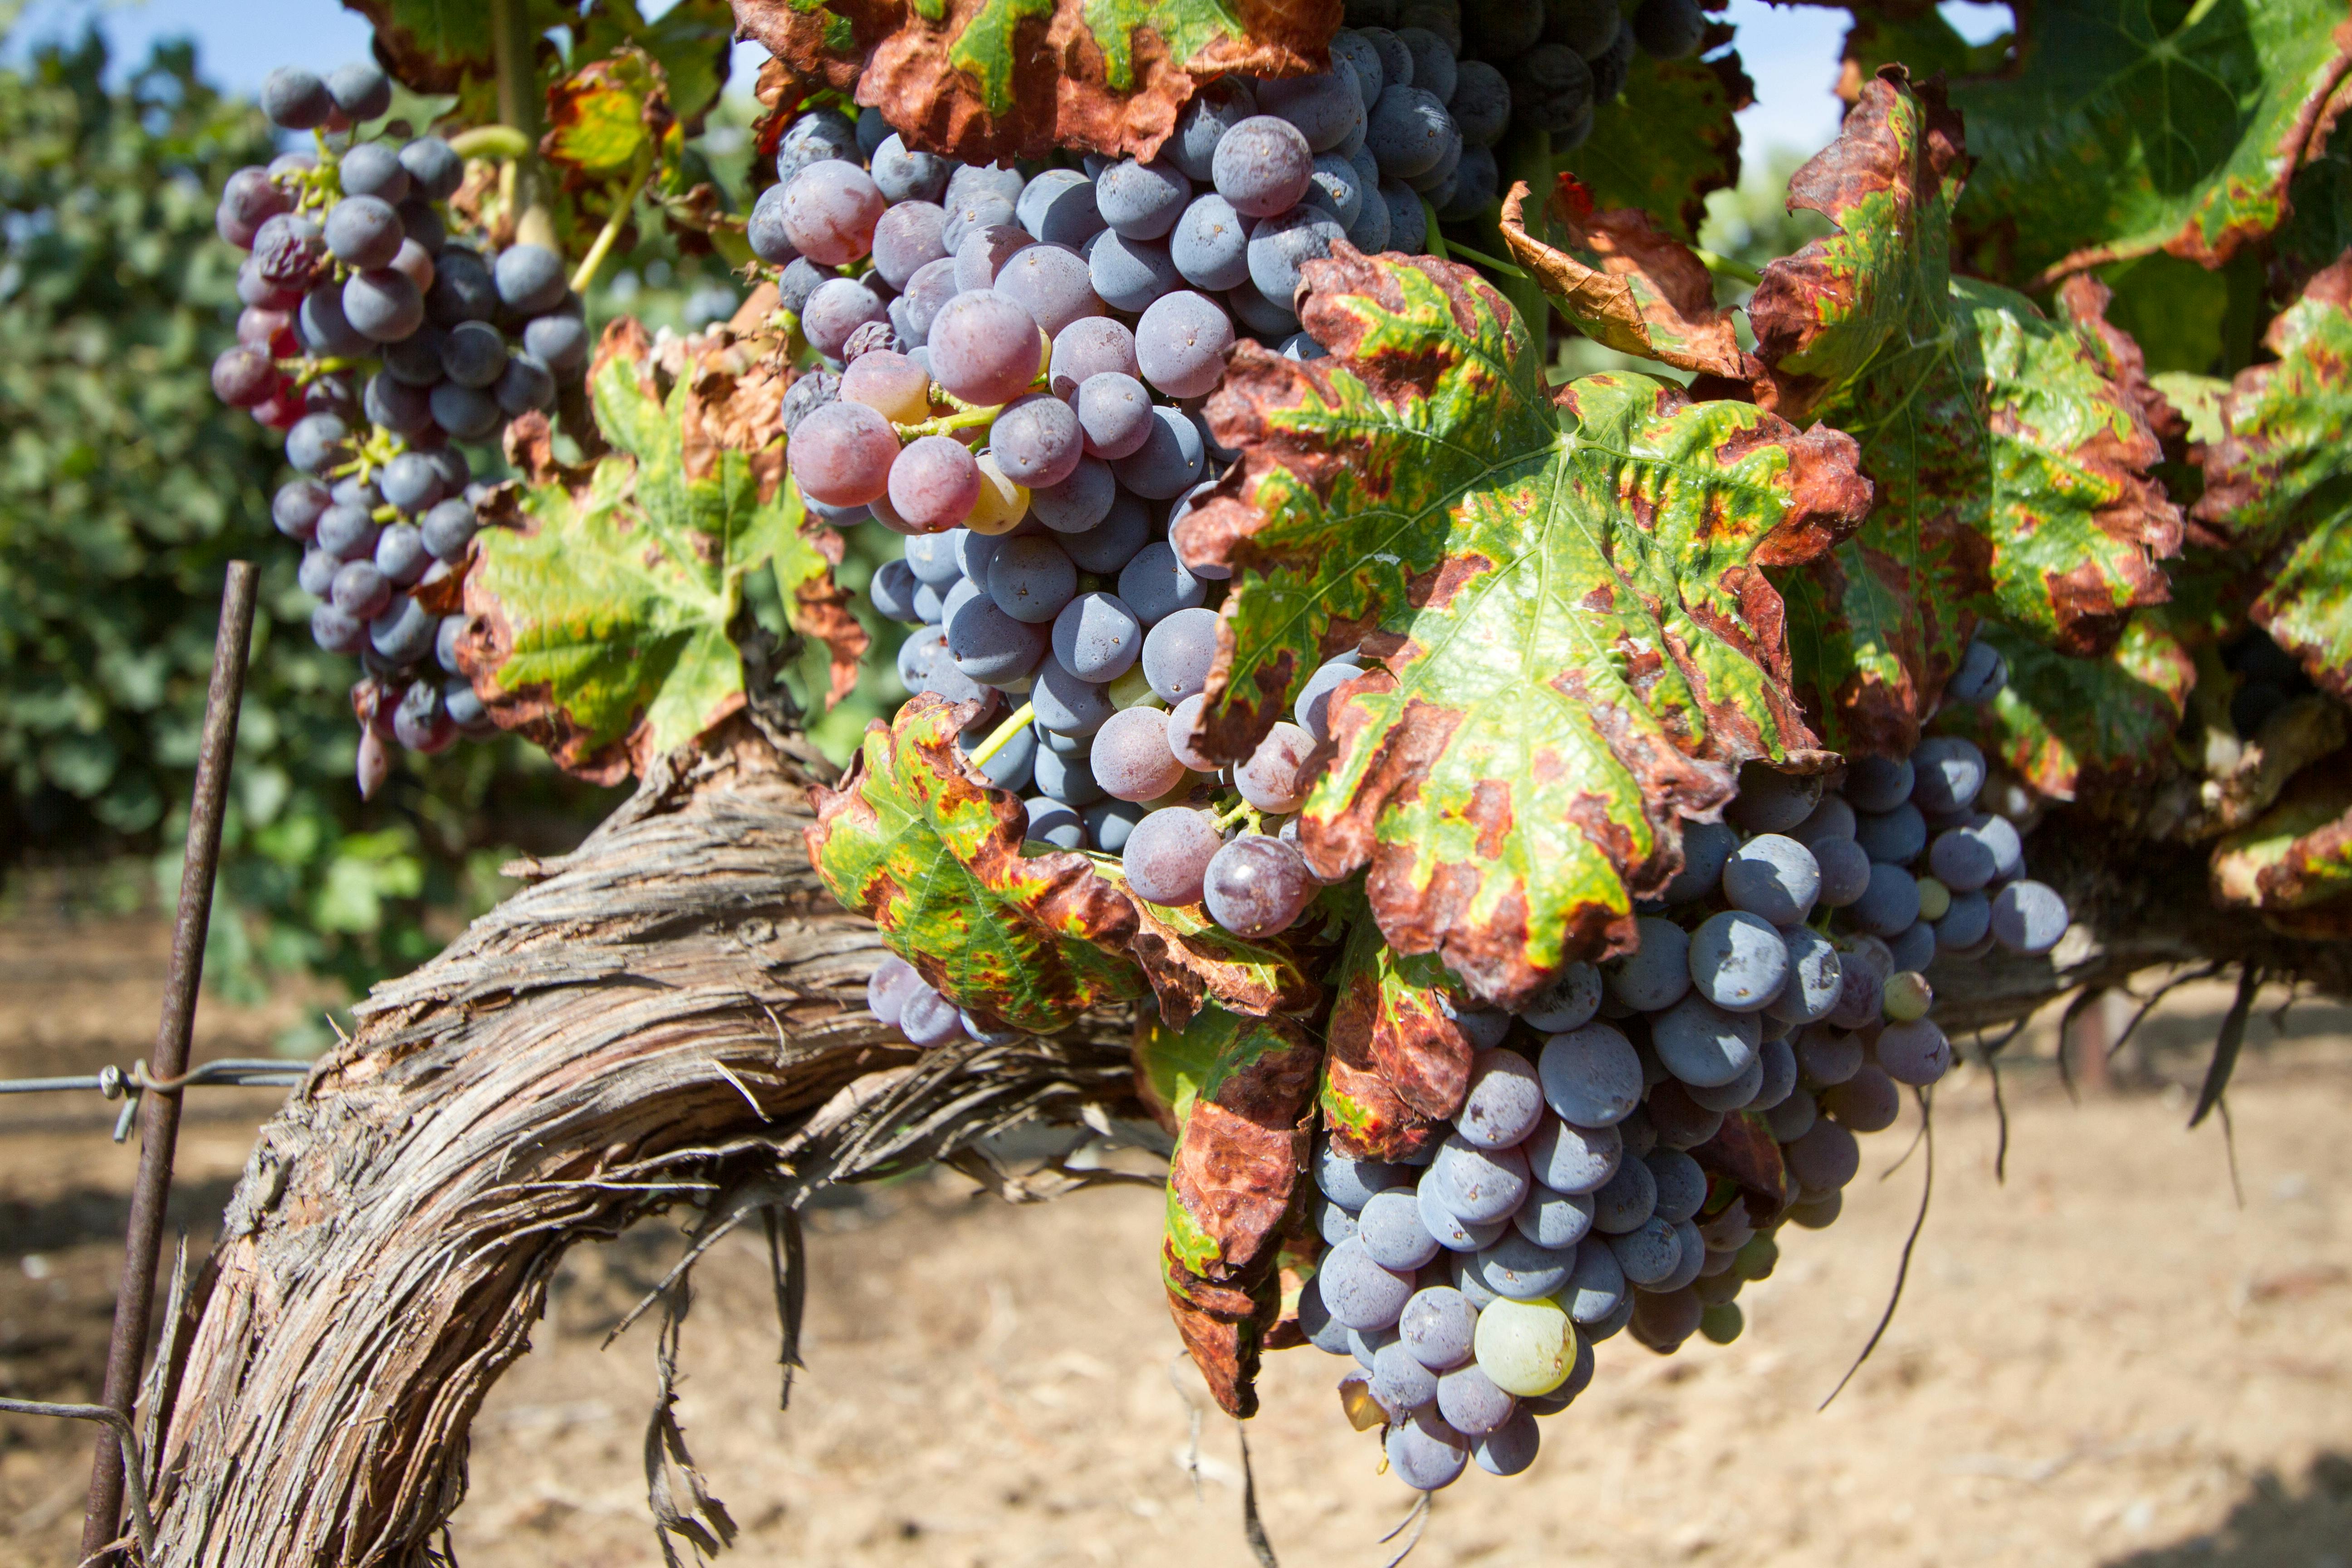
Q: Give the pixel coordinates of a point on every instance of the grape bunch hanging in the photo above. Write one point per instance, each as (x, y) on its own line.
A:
(1014, 373)
(378, 344)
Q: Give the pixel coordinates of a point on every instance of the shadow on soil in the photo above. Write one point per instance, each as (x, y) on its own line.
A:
(2276, 1525)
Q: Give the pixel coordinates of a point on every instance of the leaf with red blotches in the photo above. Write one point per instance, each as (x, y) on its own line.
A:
(1395, 1064)
(1192, 961)
(1579, 645)
(990, 81)
(1629, 287)
(600, 615)
(1241, 1094)
(2275, 484)
(2084, 728)
(2012, 473)
(917, 840)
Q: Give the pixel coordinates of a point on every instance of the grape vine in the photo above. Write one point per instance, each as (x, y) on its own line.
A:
(1526, 818)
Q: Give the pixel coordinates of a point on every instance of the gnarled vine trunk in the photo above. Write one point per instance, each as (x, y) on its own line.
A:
(675, 1010)
(675, 1013)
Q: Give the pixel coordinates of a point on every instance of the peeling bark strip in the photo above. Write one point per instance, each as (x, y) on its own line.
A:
(992, 80)
(1578, 644)
(677, 1003)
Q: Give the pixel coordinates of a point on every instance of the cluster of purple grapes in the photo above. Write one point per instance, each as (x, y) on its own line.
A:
(1778, 975)
(375, 342)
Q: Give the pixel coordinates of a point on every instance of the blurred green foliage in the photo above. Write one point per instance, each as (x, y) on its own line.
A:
(124, 490)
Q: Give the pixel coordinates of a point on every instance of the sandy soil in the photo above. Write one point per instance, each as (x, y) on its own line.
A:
(2104, 1360)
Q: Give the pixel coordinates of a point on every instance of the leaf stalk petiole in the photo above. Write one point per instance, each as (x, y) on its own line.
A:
(1001, 736)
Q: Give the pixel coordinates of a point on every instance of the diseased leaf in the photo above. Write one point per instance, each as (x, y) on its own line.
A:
(2079, 728)
(1241, 1094)
(609, 121)
(917, 839)
(1744, 1151)
(1578, 644)
(2298, 854)
(2133, 126)
(2011, 473)
(2275, 485)
(1668, 140)
(692, 41)
(600, 617)
(1395, 1067)
(1629, 287)
(1191, 960)
(994, 80)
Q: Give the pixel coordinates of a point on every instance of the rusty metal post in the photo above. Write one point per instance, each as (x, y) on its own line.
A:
(158, 1113)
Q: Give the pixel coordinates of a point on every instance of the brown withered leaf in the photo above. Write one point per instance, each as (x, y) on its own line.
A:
(1191, 960)
(1241, 1093)
(990, 81)
(1629, 286)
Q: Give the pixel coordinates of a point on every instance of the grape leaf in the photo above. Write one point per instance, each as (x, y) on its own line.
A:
(2297, 855)
(433, 46)
(693, 42)
(1395, 1067)
(2079, 728)
(1579, 648)
(1191, 960)
(1917, 37)
(2279, 484)
(609, 121)
(987, 81)
(2133, 126)
(599, 617)
(917, 840)
(1627, 286)
(1668, 140)
(1239, 1093)
(2012, 472)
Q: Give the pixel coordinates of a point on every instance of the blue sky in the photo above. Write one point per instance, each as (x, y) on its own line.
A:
(1792, 52)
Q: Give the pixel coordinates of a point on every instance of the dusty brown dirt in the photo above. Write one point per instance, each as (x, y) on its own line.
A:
(2105, 1361)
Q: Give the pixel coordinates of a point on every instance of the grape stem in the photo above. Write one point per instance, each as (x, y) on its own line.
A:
(1240, 809)
(503, 142)
(1001, 736)
(1492, 263)
(1724, 266)
(964, 417)
(593, 262)
(1436, 241)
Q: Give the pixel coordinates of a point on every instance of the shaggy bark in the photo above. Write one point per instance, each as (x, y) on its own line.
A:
(675, 1013)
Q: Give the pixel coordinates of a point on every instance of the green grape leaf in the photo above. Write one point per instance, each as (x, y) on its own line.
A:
(1578, 644)
(1667, 141)
(1915, 37)
(1240, 1094)
(2297, 855)
(1192, 961)
(1625, 284)
(610, 121)
(2012, 469)
(1395, 1066)
(2279, 484)
(2076, 728)
(919, 841)
(433, 46)
(2133, 126)
(692, 42)
(995, 79)
(599, 616)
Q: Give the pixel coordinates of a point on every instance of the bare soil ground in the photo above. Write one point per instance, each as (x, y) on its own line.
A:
(2107, 1359)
